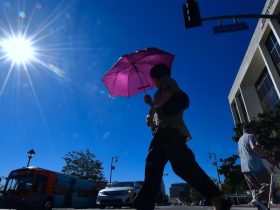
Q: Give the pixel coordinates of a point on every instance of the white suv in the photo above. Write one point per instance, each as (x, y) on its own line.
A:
(118, 194)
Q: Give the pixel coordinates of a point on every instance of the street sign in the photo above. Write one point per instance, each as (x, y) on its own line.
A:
(230, 28)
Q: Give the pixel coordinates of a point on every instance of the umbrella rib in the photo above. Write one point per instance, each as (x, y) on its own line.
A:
(128, 86)
(137, 72)
(113, 88)
(144, 86)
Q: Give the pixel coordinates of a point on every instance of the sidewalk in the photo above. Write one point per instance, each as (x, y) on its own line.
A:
(272, 207)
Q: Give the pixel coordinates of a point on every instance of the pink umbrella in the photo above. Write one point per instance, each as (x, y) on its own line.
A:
(130, 74)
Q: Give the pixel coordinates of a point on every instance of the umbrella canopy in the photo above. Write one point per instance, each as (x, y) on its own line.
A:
(131, 73)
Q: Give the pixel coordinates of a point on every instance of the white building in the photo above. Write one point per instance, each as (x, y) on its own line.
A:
(257, 85)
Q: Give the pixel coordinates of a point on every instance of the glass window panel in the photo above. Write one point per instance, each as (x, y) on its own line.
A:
(274, 50)
(269, 44)
(266, 92)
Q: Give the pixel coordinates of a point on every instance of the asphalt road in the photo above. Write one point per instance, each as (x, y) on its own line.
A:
(176, 208)
(184, 208)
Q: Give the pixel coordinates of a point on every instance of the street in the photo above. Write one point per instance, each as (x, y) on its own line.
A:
(190, 208)
(172, 208)
(176, 208)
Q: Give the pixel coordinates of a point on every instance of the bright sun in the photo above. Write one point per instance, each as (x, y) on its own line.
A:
(18, 49)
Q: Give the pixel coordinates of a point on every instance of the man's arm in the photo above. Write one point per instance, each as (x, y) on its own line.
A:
(258, 149)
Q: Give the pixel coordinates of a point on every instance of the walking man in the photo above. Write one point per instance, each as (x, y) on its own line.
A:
(252, 167)
(169, 144)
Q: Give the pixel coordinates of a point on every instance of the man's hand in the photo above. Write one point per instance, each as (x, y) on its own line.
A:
(148, 100)
(149, 120)
(271, 160)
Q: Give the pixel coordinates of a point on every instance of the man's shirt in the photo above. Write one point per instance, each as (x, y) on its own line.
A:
(250, 160)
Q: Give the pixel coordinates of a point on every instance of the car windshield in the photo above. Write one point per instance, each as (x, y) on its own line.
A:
(21, 183)
(122, 184)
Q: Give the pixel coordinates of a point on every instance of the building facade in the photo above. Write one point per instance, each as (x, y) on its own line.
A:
(256, 87)
(177, 189)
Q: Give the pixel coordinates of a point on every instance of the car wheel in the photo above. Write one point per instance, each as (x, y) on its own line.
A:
(101, 206)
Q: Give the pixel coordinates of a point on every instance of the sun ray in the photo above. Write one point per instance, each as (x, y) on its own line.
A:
(51, 67)
(8, 22)
(3, 30)
(30, 20)
(3, 57)
(48, 35)
(20, 15)
(36, 99)
(50, 20)
(6, 79)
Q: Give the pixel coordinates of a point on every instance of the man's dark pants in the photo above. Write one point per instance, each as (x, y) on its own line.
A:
(169, 145)
(259, 183)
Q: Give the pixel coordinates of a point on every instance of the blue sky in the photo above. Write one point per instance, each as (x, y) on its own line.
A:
(61, 112)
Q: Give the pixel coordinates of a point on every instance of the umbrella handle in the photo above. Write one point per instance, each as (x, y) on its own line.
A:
(143, 86)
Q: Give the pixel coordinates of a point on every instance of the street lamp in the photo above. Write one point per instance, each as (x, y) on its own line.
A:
(30, 154)
(114, 159)
(215, 163)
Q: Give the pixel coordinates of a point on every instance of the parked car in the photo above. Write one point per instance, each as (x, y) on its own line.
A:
(118, 194)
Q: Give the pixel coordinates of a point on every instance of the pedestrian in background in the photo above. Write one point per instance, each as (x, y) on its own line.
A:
(169, 144)
(253, 168)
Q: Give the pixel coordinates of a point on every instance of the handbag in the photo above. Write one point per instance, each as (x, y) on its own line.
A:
(178, 102)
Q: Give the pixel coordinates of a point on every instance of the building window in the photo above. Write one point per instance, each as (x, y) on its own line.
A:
(266, 92)
(40, 184)
(235, 114)
(274, 50)
(243, 110)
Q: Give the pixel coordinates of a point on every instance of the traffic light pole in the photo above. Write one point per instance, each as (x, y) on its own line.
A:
(241, 16)
(193, 19)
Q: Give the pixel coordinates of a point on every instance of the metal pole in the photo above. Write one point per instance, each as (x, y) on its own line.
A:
(216, 163)
(237, 196)
(112, 167)
(29, 158)
(242, 16)
(30, 154)
(217, 170)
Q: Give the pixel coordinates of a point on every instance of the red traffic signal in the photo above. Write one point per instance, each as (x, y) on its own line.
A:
(191, 14)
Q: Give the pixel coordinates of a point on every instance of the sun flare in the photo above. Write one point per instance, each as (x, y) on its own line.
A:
(18, 49)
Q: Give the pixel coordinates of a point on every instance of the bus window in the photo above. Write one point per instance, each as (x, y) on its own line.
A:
(40, 184)
(20, 183)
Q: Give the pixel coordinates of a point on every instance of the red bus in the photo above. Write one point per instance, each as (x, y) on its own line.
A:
(37, 188)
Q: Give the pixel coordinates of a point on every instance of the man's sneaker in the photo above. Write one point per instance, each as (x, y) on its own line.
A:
(258, 204)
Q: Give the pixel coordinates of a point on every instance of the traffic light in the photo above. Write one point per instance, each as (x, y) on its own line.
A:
(191, 14)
